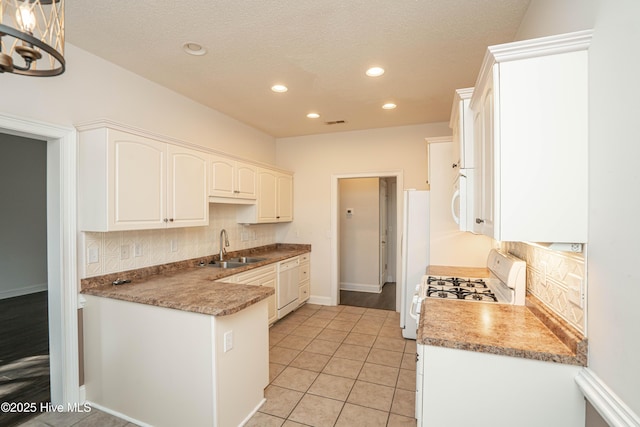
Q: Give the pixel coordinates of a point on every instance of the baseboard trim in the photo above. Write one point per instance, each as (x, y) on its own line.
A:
(610, 407)
(319, 300)
(24, 290)
(246, 420)
(118, 414)
(360, 287)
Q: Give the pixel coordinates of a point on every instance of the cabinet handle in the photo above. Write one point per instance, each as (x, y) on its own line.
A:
(170, 219)
(455, 165)
(165, 220)
(479, 221)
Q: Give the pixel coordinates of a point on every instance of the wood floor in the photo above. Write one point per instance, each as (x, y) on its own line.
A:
(24, 354)
(386, 300)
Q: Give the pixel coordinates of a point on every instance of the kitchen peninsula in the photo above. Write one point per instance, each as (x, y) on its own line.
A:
(173, 347)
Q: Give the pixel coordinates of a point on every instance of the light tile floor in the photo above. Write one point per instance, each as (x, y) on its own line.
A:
(329, 366)
(339, 366)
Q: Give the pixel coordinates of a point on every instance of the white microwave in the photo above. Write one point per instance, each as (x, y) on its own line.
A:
(462, 200)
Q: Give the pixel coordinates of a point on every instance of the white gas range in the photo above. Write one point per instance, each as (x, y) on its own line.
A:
(506, 284)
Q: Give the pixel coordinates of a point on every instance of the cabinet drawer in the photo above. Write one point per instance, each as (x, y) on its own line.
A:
(304, 272)
(303, 292)
(250, 275)
(304, 257)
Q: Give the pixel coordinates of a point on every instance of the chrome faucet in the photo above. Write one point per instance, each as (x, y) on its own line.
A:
(223, 251)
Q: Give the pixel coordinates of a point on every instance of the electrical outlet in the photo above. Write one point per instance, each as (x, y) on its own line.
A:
(93, 255)
(137, 250)
(124, 252)
(174, 245)
(228, 341)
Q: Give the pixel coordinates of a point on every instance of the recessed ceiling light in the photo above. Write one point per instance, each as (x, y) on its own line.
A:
(193, 48)
(279, 88)
(375, 72)
(313, 115)
(389, 106)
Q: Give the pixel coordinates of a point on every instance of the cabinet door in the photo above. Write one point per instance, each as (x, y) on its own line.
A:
(222, 177)
(267, 193)
(188, 203)
(484, 185)
(245, 175)
(488, 162)
(137, 182)
(285, 198)
(271, 301)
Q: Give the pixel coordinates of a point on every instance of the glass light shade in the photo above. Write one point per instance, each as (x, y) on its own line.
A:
(32, 37)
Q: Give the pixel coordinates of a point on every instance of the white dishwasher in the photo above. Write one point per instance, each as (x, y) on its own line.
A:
(288, 281)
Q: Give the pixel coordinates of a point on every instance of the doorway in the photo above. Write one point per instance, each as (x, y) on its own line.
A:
(24, 328)
(365, 238)
(62, 283)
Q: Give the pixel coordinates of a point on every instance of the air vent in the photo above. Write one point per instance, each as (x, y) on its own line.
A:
(335, 122)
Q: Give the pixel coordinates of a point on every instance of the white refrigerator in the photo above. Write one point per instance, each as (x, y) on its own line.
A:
(415, 253)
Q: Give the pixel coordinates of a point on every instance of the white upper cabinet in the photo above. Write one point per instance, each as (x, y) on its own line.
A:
(274, 199)
(232, 181)
(530, 107)
(129, 181)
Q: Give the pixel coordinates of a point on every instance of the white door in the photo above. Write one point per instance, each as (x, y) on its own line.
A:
(384, 235)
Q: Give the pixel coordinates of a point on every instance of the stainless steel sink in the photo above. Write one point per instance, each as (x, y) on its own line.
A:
(227, 264)
(246, 260)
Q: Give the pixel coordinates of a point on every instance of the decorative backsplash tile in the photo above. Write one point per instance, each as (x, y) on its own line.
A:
(556, 278)
(155, 245)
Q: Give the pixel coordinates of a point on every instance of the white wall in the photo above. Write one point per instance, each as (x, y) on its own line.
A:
(359, 234)
(449, 245)
(193, 242)
(613, 276)
(23, 217)
(314, 159)
(93, 88)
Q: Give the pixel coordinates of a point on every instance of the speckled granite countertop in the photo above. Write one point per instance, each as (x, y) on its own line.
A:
(530, 331)
(187, 286)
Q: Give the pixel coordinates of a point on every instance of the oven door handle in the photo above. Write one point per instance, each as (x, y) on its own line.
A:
(414, 306)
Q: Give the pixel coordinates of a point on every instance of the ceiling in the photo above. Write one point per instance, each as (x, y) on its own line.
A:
(319, 49)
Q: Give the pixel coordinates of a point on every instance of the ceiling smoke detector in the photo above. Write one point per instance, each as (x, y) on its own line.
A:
(335, 122)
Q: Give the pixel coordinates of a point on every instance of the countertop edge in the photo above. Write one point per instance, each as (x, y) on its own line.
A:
(204, 309)
(504, 351)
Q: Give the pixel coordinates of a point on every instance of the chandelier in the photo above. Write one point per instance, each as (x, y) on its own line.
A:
(32, 37)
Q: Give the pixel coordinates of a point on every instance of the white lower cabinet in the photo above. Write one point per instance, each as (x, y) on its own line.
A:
(130, 181)
(460, 388)
(263, 276)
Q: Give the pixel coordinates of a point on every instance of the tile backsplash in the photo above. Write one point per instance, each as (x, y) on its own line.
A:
(156, 245)
(558, 279)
